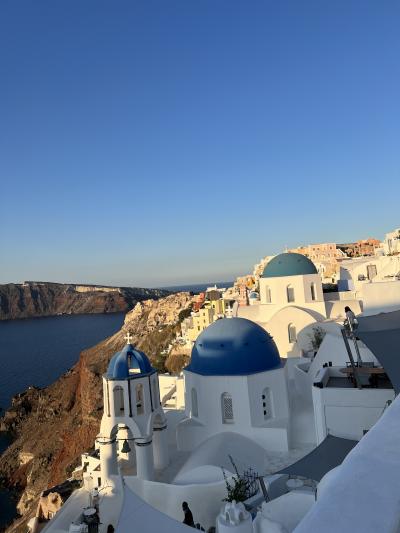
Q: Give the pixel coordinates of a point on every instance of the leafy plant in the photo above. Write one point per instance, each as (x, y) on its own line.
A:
(237, 487)
(316, 338)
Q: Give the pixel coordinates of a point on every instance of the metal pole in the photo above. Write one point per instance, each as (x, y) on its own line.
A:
(264, 489)
(349, 353)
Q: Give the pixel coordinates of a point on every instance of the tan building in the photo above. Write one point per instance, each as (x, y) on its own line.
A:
(326, 251)
(325, 256)
(364, 247)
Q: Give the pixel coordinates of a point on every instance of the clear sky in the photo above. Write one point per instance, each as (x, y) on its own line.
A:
(166, 142)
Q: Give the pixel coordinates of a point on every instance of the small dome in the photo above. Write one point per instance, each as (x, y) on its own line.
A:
(233, 347)
(128, 363)
(253, 295)
(288, 264)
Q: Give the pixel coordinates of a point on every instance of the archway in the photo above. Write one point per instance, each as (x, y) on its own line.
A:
(125, 449)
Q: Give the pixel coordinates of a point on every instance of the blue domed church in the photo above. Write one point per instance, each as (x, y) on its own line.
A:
(235, 382)
(133, 427)
(290, 300)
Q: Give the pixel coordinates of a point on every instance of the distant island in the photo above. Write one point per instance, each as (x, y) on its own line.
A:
(38, 299)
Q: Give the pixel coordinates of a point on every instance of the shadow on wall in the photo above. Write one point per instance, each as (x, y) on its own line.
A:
(335, 309)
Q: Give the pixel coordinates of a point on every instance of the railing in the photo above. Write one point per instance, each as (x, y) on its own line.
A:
(168, 396)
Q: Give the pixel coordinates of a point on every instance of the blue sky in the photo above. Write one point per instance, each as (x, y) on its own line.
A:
(159, 143)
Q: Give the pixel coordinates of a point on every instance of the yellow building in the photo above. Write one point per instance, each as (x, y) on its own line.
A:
(201, 320)
(217, 305)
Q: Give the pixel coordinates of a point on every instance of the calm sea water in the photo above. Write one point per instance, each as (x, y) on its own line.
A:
(36, 352)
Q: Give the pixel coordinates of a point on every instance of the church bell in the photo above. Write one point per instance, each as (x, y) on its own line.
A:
(125, 447)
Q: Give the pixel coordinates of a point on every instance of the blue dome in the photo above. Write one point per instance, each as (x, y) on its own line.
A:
(233, 347)
(289, 265)
(253, 295)
(127, 363)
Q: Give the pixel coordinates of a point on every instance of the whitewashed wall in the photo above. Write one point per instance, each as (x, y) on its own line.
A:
(204, 500)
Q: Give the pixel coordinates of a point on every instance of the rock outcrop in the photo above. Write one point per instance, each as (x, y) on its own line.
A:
(34, 299)
(54, 425)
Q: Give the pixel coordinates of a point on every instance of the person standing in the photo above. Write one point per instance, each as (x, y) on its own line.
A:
(188, 520)
(351, 320)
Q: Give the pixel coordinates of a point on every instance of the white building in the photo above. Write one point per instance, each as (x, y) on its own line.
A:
(292, 302)
(373, 281)
(240, 400)
(291, 299)
(235, 383)
(391, 243)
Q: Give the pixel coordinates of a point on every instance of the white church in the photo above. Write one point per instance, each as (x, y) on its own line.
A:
(242, 400)
(291, 301)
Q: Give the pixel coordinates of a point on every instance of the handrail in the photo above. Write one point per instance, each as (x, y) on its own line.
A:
(168, 396)
(349, 353)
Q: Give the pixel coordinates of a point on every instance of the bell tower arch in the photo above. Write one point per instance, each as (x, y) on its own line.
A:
(133, 422)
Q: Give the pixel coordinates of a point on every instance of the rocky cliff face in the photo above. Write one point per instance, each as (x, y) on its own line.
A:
(53, 426)
(33, 299)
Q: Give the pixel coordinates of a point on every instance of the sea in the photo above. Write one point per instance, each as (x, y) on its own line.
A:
(37, 351)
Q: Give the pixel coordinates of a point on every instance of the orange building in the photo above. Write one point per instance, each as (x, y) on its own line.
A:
(360, 248)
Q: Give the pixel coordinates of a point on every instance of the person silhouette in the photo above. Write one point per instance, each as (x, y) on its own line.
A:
(188, 520)
(351, 320)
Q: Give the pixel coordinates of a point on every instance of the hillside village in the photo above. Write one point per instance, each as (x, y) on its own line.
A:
(285, 373)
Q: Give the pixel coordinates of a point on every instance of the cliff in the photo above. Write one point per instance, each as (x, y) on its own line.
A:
(54, 425)
(34, 299)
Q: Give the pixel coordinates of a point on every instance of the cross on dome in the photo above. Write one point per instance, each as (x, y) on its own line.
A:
(128, 337)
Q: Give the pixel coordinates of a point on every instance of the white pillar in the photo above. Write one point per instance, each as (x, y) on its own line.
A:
(160, 447)
(108, 459)
(144, 458)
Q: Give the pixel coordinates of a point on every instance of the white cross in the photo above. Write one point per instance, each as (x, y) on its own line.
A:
(128, 337)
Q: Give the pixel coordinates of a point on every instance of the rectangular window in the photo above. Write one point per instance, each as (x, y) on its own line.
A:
(139, 399)
(290, 294)
(268, 295)
(313, 295)
(371, 271)
(227, 409)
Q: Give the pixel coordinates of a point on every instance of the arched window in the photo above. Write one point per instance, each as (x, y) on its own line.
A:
(292, 333)
(106, 394)
(313, 292)
(227, 408)
(290, 293)
(268, 295)
(195, 407)
(118, 401)
(266, 403)
(139, 399)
